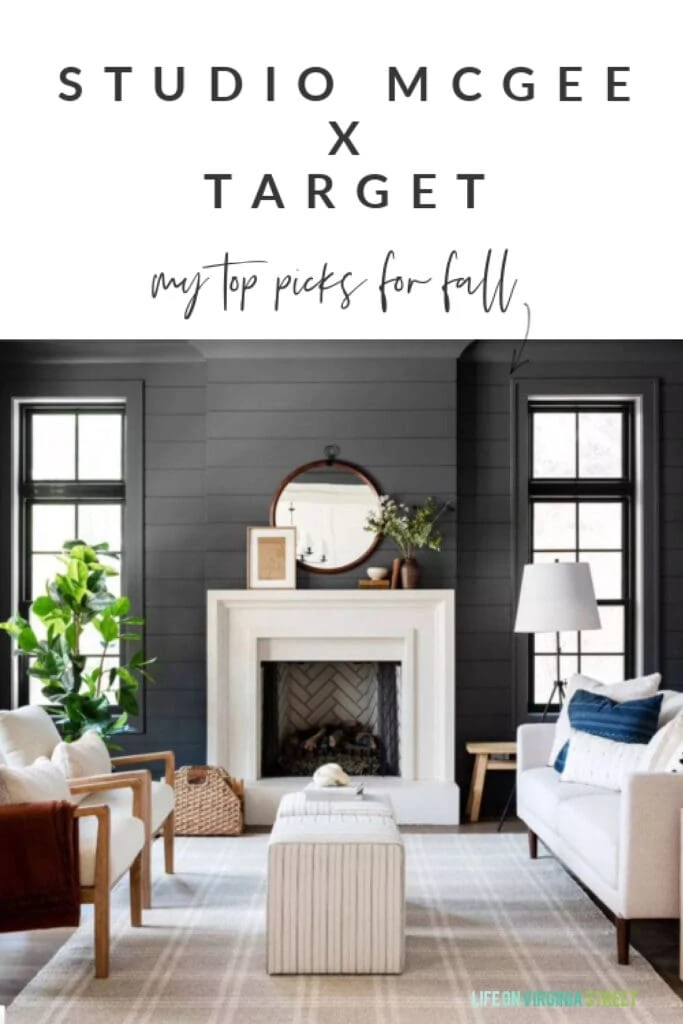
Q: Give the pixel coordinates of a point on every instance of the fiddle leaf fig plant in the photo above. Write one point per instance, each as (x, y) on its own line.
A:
(84, 693)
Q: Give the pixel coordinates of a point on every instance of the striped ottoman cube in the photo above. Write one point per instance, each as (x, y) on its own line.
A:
(297, 804)
(336, 895)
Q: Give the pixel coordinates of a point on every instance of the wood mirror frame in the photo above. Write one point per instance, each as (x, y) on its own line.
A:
(347, 467)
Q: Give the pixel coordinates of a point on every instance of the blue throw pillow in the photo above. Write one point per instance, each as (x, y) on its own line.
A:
(631, 721)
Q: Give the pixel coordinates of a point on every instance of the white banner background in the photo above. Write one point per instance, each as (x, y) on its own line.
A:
(96, 196)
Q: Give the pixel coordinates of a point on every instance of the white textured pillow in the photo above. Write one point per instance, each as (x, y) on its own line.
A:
(599, 762)
(31, 785)
(26, 734)
(629, 689)
(672, 705)
(85, 756)
(664, 752)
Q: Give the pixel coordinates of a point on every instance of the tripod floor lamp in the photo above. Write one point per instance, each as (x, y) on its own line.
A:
(557, 597)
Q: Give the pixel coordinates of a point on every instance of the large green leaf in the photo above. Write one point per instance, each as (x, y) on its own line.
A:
(120, 608)
(138, 660)
(99, 601)
(108, 628)
(27, 640)
(128, 701)
(14, 626)
(43, 607)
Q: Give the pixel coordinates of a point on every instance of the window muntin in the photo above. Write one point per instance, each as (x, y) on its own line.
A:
(581, 493)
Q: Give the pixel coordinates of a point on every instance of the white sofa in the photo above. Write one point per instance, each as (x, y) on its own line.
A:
(623, 846)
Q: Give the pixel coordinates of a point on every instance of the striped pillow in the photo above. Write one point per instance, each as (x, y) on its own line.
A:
(630, 721)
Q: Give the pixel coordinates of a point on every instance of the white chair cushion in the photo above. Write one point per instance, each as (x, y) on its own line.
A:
(543, 790)
(629, 689)
(35, 783)
(85, 756)
(26, 734)
(664, 752)
(121, 801)
(590, 827)
(127, 837)
(597, 761)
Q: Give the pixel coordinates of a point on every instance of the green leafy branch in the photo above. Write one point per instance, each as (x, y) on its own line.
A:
(411, 528)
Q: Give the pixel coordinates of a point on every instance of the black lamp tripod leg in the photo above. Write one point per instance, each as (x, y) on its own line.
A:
(507, 805)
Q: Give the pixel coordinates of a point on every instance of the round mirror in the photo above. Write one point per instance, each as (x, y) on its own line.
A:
(328, 502)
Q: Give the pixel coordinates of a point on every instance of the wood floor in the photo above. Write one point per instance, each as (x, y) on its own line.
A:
(23, 954)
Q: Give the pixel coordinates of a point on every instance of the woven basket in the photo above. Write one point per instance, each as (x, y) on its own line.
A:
(208, 802)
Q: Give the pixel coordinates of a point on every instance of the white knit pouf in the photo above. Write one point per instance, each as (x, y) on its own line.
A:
(298, 804)
(336, 895)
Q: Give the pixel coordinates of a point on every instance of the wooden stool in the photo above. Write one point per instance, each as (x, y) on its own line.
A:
(482, 764)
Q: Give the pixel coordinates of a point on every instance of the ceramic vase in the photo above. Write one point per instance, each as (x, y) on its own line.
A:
(410, 574)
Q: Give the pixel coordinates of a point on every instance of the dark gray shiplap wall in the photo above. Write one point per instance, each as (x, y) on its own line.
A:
(395, 418)
(219, 437)
(484, 596)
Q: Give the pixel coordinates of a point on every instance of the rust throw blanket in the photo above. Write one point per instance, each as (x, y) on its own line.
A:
(39, 884)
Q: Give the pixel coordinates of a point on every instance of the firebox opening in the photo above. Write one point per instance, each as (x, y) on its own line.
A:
(319, 711)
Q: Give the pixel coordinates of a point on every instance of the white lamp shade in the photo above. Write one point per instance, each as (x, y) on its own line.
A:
(556, 597)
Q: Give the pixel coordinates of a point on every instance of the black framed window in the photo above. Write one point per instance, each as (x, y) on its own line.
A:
(72, 483)
(581, 494)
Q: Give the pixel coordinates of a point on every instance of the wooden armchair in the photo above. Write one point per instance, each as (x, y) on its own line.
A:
(28, 733)
(110, 845)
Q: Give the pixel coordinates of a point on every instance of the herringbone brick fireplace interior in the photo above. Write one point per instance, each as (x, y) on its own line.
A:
(320, 711)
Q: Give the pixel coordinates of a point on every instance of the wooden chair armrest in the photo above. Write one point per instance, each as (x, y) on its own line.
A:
(99, 811)
(102, 842)
(167, 756)
(139, 782)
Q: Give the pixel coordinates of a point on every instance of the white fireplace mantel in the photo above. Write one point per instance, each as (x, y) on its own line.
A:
(416, 628)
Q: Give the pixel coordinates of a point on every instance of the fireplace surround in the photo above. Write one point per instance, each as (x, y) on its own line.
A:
(413, 630)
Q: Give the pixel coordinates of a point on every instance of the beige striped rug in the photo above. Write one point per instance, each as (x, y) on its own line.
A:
(481, 917)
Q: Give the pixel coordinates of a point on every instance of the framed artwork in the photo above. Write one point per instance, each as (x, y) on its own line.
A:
(271, 557)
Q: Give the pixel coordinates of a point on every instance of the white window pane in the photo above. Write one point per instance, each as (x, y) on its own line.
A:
(554, 524)
(114, 582)
(605, 669)
(600, 444)
(100, 455)
(546, 643)
(545, 674)
(611, 637)
(554, 444)
(53, 454)
(44, 568)
(100, 523)
(51, 526)
(600, 525)
(554, 556)
(606, 570)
